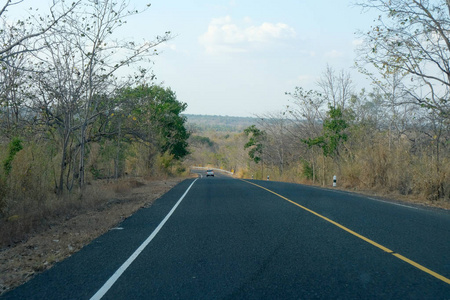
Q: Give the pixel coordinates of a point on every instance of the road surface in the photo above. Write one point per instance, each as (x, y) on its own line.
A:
(224, 238)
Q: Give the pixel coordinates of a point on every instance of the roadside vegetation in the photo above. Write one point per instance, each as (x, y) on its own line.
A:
(78, 109)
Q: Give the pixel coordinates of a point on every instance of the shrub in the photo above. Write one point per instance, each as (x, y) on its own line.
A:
(3, 192)
(14, 146)
(307, 170)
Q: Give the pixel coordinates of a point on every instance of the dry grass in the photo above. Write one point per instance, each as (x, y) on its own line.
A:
(39, 244)
(408, 181)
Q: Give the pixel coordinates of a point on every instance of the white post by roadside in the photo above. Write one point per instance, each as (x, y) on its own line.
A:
(334, 181)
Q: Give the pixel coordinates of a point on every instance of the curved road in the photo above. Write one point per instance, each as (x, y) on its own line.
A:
(235, 239)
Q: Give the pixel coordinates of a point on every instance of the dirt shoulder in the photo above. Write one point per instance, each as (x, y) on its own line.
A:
(69, 234)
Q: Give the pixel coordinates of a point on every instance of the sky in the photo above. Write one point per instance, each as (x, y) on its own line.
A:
(239, 57)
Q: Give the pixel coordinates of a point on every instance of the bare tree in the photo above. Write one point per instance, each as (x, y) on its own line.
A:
(412, 37)
(307, 111)
(29, 30)
(337, 89)
(281, 147)
(13, 81)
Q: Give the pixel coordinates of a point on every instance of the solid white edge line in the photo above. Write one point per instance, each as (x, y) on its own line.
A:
(108, 284)
(393, 203)
(363, 196)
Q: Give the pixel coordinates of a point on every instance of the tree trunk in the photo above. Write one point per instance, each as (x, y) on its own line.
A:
(314, 171)
(116, 162)
(63, 161)
(323, 170)
(82, 151)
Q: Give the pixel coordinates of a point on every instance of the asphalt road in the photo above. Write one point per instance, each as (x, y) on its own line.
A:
(232, 239)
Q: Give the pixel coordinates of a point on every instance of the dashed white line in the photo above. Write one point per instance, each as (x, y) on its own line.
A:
(117, 228)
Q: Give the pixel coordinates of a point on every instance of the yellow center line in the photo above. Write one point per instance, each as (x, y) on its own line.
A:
(413, 263)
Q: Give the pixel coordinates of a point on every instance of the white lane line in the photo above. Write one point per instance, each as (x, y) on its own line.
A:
(365, 197)
(108, 284)
(393, 203)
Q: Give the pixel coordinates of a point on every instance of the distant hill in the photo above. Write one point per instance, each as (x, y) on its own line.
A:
(199, 123)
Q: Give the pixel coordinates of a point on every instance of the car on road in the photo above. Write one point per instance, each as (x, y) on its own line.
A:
(209, 173)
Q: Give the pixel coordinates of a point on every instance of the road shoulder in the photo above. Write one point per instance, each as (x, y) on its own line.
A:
(64, 237)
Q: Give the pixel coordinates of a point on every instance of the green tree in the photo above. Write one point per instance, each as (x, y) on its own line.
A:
(170, 124)
(153, 114)
(333, 133)
(255, 143)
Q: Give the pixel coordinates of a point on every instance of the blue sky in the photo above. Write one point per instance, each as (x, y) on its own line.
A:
(239, 57)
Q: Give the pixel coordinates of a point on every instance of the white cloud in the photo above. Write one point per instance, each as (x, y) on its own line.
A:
(357, 42)
(248, 20)
(305, 78)
(167, 46)
(309, 53)
(268, 31)
(224, 35)
(307, 81)
(334, 54)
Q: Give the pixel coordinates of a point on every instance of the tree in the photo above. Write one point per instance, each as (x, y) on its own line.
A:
(282, 146)
(156, 116)
(20, 39)
(31, 29)
(333, 133)
(336, 89)
(168, 122)
(410, 45)
(308, 111)
(13, 83)
(309, 114)
(412, 37)
(100, 58)
(78, 74)
(255, 142)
